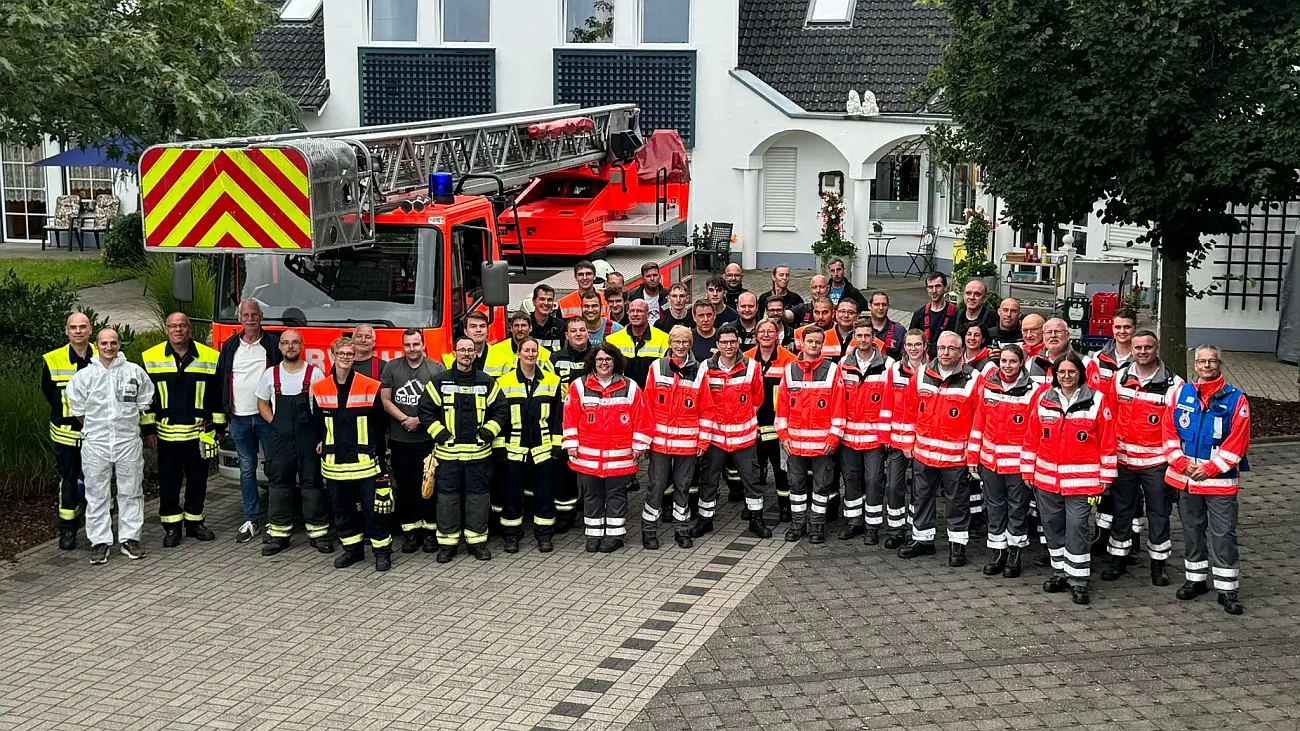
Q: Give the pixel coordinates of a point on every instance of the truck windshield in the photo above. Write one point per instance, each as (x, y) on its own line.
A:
(392, 283)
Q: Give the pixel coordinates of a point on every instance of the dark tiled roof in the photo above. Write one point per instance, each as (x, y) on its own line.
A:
(295, 52)
(889, 48)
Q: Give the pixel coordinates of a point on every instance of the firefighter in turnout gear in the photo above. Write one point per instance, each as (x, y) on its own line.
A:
(464, 412)
(810, 421)
(533, 435)
(736, 392)
(772, 359)
(504, 356)
(344, 404)
(677, 393)
(292, 467)
(186, 403)
(1207, 435)
(58, 367)
(865, 372)
(569, 362)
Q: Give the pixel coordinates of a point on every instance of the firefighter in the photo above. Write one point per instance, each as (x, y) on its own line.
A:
(476, 329)
(1001, 423)
(1069, 458)
(183, 424)
(344, 404)
(1141, 392)
(772, 360)
(680, 404)
(504, 356)
(463, 411)
(292, 467)
(1207, 435)
(1117, 353)
(58, 367)
(569, 362)
(607, 427)
(889, 334)
(810, 422)
(936, 316)
(535, 405)
(736, 393)
(400, 388)
(901, 438)
(110, 397)
(865, 371)
(947, 398)
(546, 327)
(639, 342)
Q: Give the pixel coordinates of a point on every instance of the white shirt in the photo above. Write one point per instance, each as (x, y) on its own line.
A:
(290, 383)
(246, 373)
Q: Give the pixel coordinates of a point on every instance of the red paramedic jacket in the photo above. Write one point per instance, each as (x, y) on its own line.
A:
(736, 394)
(1140, 410)
(902, 409)
(810, 407)
(945, 411)
(1070, 450)
(606, 424)
(868, 400)
(1003, 420)
(680, 405)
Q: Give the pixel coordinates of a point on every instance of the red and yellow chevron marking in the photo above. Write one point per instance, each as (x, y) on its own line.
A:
(225, 199)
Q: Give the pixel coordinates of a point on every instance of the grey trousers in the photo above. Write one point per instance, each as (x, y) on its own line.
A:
(864, 486)
(604, 506)
(896, 492)
(929, 482)
(1006, 502)
(1069, 536)
(822, 468)
(744, 462)
(664, 468)
(1131, 488)
(1210, 538)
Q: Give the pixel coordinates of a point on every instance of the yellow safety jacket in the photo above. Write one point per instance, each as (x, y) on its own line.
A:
(61, 364)
(187, 392)
(640, 354)
(502, 358)
(536, 416)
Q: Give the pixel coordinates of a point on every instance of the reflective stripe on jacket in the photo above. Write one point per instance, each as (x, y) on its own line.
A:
(187, 392)
(902, 409)
(773, 371)
(60, 365)
(504, 356)
(607, 425)
(1215, 435)
(945, 416)
(455, 407)
(1002, 421)
(867, 411)
(1140, 410)
(736, 394)
(536, 410)
(347, 447)
(1070, 450)
(640, 353)
(680, 405)
(810, 407)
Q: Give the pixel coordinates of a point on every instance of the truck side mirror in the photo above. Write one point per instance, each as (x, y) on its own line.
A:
(183, 280)
(496, 283)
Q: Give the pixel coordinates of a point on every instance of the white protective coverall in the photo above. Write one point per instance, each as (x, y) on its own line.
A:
(110, 400)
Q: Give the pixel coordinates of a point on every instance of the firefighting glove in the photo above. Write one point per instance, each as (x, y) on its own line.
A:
(384, 500)
(1094, 501)
(208, 444)
(443, 437)
(485, 435)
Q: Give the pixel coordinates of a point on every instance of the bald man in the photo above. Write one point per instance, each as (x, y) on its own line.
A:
(1007, 331)
(1056, 344)
(747, 315)
(802, 313)
(734, 276)
(1031, 333)
(57, 368)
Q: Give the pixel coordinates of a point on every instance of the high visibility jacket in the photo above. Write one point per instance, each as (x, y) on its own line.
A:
(343, 416)
(982, 362)
(902, 406)
(831, 346)
(1070, 450)
(464, 412)
(1002, 420)
(1212, 432)
(1140, 410)
(480, 361)
(536, 408)
(736, 393)
(549, 334)
(606, 424)
(568, 364)
(1040, 366)
(570, 305)
(60, 365)
(1104, 365)
(867, 400)
(810, 407)
(640, 353)
(187, 392)
(945, 416)
(773, 370)
(504, 356)
(680, 405)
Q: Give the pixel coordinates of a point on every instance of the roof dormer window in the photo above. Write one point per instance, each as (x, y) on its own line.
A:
(831, 12)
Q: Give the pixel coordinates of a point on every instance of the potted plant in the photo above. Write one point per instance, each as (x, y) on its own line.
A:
(833, 243)
(976, 265)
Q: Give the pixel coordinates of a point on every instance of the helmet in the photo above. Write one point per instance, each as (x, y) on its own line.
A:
(208, 444)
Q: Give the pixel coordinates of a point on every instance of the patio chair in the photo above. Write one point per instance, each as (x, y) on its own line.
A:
(923, 258)
(721, 235)
(67, 211)
(106, 208)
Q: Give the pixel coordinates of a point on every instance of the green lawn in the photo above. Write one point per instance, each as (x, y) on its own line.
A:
(80, 273)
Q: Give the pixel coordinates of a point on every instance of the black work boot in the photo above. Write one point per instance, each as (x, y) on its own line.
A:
(430, 543)
(610, 544)
(383, 560)
(745, 513)
(1117, 568)
(649, 540)
(1191, 590)
(512, 544)
(323, 545)
(796, 531)
(912, 549)
(480, 551)
(703, 526)
(1055, 584)
(411, 543)
(871, 537)
(1158, 575)
(171, 535)
(199, 531)
(349, 557)
(852, 531)
(684, 541)
(1079, 595)
(997, 562)
(544, 545)
(956, 555)
(895, 539)
(758, 527)
(1132, 557)
(272, 546)
(1011, 570)
(783, 504)
(446, 554)
(563, 522)
(68, 537)
(593, 544)
(817, 533)
(1228, 599)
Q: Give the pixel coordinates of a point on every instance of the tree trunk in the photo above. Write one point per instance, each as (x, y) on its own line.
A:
(1173, 305)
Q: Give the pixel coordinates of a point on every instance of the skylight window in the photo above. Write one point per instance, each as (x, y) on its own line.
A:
(299, 9)
(830, 11)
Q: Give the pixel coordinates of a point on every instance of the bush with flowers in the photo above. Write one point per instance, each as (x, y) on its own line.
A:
(976, 265)
(833, 242)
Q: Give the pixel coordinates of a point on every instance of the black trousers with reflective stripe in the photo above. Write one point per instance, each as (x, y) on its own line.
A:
(769, 453)
(1130, 490)
(604, 508)
(464, 501)
(413, 510)
(1210, 539)
(1069, 535)
(897, 504)
(355, 517)
(522, 477)
(864, 485)
(181, 462)
(745, 464)
(70, 499)
(292, 471)
(678, 469)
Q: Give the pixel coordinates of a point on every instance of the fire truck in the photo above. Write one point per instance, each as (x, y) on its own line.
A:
(413, 225)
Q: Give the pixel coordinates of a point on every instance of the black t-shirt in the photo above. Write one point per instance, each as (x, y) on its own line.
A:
(1009, 336)
(667, 321)
(704, 348)
(549, 334)
(789, 300)
(733, 295)
(727, 315)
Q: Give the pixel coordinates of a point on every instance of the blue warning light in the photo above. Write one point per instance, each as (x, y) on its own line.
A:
(441, 188)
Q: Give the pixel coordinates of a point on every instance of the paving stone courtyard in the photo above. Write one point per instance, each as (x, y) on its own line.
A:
(738, 633)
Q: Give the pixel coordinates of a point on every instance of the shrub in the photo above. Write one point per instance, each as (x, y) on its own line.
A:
(142, 341)
(26, 450)
(123, 246)
(156, 274)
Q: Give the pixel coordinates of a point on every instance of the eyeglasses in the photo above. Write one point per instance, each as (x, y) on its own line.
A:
(344, 356)
(1208, 361)
(466, 350)
(1056, 332)
(605, 360)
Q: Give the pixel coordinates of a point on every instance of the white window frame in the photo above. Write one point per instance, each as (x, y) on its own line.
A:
(778, 218)
(965, 190)
(567, 42)
(99, 177)
(442, 28)
(850, 7)
(641, 25)
(370, 28)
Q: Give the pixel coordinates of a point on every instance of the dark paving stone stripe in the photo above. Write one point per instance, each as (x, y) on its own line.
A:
(617, 663)
(659, 625)
(740, 546)
(693, 590)
(573, 710)
(725, 560)
(711, 575)
(24, 576)
(678, 607)
(636, 643)
(594, 685)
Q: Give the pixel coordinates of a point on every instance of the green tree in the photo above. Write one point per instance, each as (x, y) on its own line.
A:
(84, 71)
(1171, 111)
(597, 28)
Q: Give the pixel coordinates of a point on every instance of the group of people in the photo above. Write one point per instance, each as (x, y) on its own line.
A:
(1020, 435)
